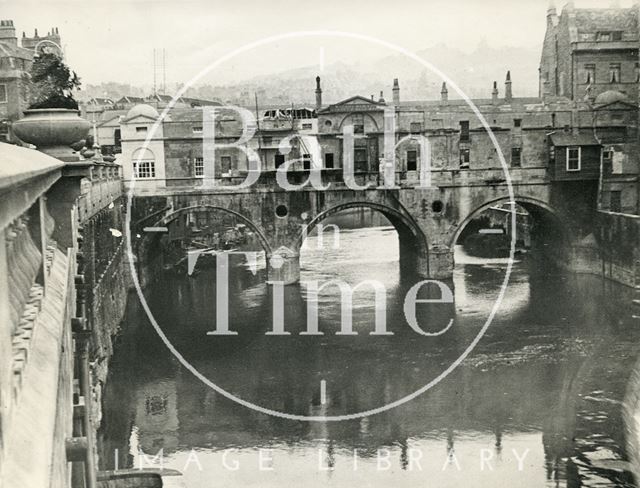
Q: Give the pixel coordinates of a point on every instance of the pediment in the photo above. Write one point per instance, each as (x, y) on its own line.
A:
(139, 119)
(358, 100)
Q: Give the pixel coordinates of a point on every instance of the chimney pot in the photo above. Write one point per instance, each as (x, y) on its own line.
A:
(318, 94)
(396, 92)
(444, 92)
(508, 94)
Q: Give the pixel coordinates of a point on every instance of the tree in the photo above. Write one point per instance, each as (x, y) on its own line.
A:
(52, 83)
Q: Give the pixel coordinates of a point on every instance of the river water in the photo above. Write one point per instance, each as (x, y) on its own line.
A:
(538, 402)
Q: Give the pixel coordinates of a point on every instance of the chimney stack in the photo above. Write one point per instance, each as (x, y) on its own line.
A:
(552, 15)
(494, 93)
(508, 95)
(8, 32)
(318, 94)
(396, 92)
(381, 100)
(444, 93)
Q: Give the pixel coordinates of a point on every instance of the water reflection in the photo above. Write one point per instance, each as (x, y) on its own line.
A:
(538, 403)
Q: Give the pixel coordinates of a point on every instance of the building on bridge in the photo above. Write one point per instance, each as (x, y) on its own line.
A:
(174, 154)
(580, 130)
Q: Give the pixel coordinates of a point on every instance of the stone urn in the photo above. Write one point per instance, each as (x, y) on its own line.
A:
(53, 130)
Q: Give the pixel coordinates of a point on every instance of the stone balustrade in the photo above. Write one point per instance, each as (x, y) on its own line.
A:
(45, 311)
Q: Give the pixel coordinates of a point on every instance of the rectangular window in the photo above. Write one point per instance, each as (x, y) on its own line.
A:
(198, 167)
(573, 158)
(517, 122)
(614, 73)
(415, 127)
(358, 123)
(465, 157)
(590, 73)
(516, 156)
(328, 160)
(615, 202)
(307, 126)
(141, 129)
(267, 140)
(412, 160)
(278, 160)
(603, 36)
(225, 164)
(197, 130)
(607, 156)
(464, 131)
(3, 93)
(306, 161)
(360, 159)
(637, 73)
(144, 169)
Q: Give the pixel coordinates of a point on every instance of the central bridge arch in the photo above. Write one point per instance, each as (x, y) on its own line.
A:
(414, 247)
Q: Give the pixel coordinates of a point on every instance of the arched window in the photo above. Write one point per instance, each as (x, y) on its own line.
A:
(144, 164)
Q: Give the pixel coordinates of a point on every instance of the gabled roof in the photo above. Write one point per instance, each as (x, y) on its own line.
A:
(100, 101)
(130, 99)
(138, 116)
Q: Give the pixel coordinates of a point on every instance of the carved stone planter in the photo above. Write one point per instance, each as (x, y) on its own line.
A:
(53, 130)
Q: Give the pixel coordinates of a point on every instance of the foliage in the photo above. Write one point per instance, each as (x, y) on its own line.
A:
(52, 83)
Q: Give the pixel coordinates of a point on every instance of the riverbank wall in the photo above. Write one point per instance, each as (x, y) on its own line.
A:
(613, 251)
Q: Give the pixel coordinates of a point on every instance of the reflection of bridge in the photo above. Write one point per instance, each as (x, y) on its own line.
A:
(428, 221)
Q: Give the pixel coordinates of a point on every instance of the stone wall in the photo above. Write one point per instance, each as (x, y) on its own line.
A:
(619, 240)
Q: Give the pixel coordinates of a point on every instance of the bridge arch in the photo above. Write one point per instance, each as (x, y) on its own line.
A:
(532, 205)
(551, 223)
(170, 217)
(414, 246)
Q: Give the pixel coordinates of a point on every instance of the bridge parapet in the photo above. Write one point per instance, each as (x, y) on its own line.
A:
(334, 179)
(43, 204)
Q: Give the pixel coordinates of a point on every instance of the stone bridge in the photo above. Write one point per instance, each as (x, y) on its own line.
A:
(63, 288)
(428, 220)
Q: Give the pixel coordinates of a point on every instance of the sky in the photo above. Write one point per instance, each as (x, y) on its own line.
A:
(114, 40)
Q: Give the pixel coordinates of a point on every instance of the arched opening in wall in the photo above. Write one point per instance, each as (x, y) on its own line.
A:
(357, 242)
(485, 237)
(191, 239)
(207, 262)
